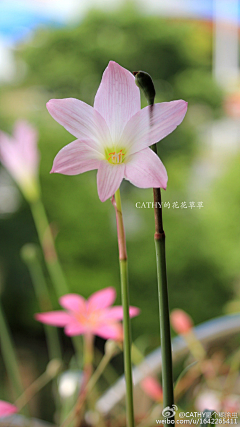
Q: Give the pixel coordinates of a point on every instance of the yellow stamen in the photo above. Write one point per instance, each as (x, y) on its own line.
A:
(116, 158)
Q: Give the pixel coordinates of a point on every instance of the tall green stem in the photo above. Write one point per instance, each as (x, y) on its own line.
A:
(50, 256)
(30, 255)
(144, 81)
(165, 333)
(9, 356)
(47, 243)
(125, 303)
(166, 349)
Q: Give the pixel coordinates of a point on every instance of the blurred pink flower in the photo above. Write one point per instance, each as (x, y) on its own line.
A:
(7, 409)
(152, 387)
(114, 136)
(181, 321)
(94, 316)
(208, 399)
(20, 157)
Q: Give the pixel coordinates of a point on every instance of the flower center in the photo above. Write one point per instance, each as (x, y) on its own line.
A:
(89, 319)
(115, 157)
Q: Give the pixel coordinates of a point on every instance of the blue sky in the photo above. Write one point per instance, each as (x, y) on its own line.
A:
(18, 17)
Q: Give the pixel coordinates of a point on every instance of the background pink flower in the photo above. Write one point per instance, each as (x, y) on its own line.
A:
(181, 321)
(19, 155)
(114, 136)
(152, 388)
(93, 316)
(7, 409)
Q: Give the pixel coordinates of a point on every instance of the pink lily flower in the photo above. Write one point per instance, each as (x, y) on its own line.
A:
(91, 317)
(20, 157)
(7, 409)
(114, 136)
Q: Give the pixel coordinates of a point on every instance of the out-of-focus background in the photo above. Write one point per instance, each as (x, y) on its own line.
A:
(54, 49)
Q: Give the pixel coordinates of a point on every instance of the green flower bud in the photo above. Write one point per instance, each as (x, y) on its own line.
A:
(144, 81)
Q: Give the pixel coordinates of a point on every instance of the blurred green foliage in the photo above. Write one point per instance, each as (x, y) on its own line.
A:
(69, 63)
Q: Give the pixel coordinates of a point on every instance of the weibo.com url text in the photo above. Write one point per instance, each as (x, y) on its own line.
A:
(198, 421)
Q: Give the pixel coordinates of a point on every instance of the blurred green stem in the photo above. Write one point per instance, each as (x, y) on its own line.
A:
(39, 383)
(48, 247)
(50, 256)
(77, 412)
(30, 255)
(125, 303)
(9, 356)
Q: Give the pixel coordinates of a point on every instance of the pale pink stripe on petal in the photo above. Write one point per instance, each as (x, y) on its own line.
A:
(7, 409)
(117, 98)
(75, 158)
(80, 119)
(116, 313)
(102, 299)
(54, 318)
(144, 169)
(73, 302)
(109, 178)
(112, 331)
(166, 117)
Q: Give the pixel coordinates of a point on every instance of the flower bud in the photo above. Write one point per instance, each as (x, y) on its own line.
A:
(181, 321)
(54, 367)
(111, 348)
(144, 81)
(29, 252)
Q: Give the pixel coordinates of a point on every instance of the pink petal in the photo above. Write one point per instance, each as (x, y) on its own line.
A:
(112, 331)
(75, 158)
(73, 302)
(54, 318)
(7, 409)
(16, 160)
(152, 387)
(109, 178)
(80, 119)
(74, 328)
(166, 117)
(116, 313)
(144, 169)
(117, 98)
(26, 137)
(101, 299)
(10, 157)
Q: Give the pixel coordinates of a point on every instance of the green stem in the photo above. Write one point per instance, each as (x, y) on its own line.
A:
(48, 247)
(38, 384)
(50, 256)
(165, 335)
(9, 356)
(144, 81)
(30, 256)
(126, 317)
(98, 372)
(77, 412)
